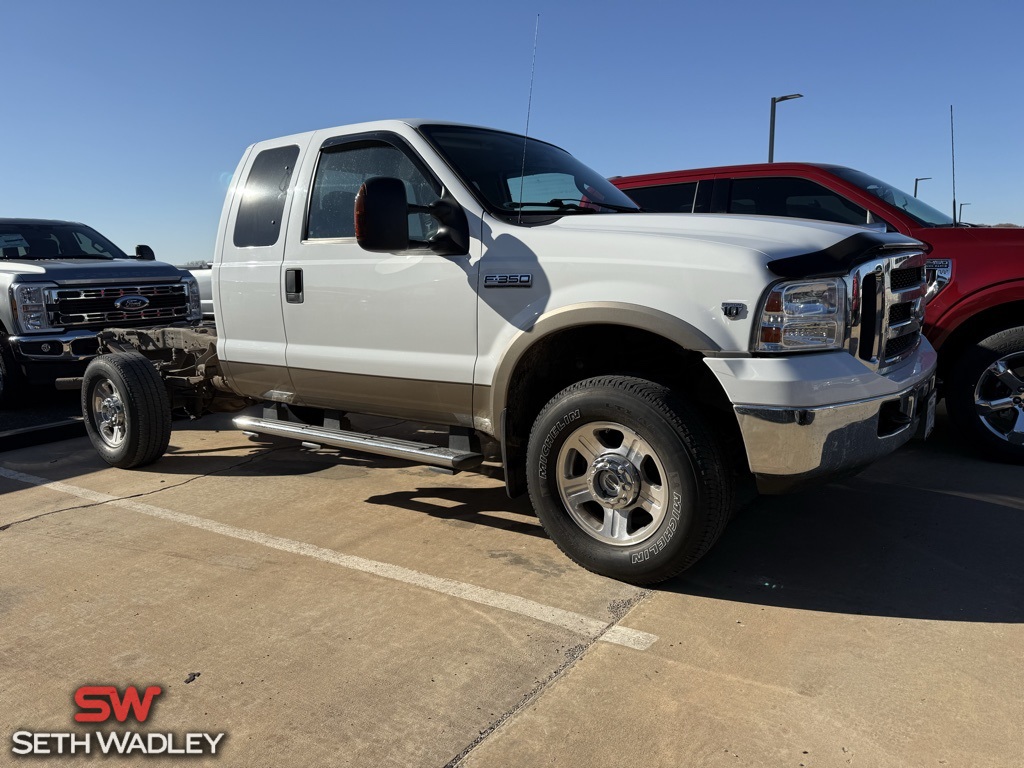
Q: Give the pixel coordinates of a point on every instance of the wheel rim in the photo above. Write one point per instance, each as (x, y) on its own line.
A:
(612, 483)
(108, 413)
(999, 398)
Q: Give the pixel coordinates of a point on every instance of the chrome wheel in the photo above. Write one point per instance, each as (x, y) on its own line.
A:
(612, 483)
(108, 414)
(999, 398)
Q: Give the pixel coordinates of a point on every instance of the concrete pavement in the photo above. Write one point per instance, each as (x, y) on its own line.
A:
(354, 610)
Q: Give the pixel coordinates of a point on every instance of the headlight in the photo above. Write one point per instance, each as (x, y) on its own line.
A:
(195, 304)
(28, 301)
(803, 315)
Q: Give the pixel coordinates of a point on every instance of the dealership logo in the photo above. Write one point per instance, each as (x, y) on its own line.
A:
(99, 702)
(131, 302)
(102, 704)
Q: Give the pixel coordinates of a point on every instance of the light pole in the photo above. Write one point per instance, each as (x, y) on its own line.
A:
(919, 178)
(771, 125)
(961, 217)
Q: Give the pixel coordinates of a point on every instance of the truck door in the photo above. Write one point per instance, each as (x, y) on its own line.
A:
(376, 332)
(251, 249)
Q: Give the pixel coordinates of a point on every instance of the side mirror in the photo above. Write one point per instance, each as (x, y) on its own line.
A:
(382, 215)
(144, 253)
(382, 220)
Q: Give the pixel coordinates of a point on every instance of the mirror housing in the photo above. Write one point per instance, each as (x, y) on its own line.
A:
(144, 253)
(452, 237)
(382, 215)
(382, 220)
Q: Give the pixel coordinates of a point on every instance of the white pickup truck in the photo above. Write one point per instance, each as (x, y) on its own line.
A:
(640, 373)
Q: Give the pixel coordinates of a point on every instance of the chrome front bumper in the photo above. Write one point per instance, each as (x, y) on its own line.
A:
(58, 347)
(789, 447)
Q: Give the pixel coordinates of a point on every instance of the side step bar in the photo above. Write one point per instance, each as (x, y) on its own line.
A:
(421, 453)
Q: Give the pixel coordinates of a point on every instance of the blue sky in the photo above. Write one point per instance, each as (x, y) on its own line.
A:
(130, 116)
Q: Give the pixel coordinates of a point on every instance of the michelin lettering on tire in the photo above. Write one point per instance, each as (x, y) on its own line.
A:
(569, 418)
(671, 525)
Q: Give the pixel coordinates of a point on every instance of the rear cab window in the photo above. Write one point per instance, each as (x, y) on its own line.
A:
(258, 222)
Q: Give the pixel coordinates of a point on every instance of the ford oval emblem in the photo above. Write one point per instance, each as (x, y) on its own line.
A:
(132, 302)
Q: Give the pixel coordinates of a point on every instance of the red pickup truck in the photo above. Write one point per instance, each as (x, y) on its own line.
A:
(975, 312)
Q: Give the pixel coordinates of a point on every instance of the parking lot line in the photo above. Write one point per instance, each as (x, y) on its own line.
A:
(591, 628)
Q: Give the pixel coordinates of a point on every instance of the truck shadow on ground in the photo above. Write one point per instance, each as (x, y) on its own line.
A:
(478, 506)
(934, 533)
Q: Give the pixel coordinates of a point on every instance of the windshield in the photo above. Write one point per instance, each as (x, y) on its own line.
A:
(492, 164)
(54, 240)
(922, 213)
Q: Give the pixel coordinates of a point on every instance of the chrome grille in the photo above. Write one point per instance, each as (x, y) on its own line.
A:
(887, 309)
(96, 306)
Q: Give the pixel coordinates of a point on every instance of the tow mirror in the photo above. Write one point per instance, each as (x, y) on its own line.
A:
(382, 220)
(144, 253)
(382, 215)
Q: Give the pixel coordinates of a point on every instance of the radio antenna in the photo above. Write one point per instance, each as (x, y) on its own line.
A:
(529, 106)
(952, 155)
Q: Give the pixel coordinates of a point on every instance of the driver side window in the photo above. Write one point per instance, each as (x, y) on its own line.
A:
(342, 171)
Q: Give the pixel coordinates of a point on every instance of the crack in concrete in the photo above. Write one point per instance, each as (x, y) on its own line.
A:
(620, 609)
(211, 473)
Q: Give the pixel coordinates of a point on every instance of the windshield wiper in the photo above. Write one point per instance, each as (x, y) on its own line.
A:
(566, 204)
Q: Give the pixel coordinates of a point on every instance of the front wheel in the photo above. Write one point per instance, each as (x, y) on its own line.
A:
(126, 408)
(986, 395)
(628, 480)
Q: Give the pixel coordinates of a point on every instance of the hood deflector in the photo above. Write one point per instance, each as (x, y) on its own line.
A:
(840, 258)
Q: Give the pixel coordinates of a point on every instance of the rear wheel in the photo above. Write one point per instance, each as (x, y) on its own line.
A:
(126, 408)
(986, 395)
(627, 480)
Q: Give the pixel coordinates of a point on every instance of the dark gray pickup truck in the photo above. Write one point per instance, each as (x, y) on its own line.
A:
(64, 282)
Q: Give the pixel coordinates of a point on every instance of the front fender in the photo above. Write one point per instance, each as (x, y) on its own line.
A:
(967, 307)
(662, 324)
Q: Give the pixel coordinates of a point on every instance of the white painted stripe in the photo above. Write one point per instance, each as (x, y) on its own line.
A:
(574, 622)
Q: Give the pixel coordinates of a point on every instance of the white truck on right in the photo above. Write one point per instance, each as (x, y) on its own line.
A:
(637, 373)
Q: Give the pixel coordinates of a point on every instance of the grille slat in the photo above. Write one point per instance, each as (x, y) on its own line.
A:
(896, 347)
(902, 279)
(900, 313)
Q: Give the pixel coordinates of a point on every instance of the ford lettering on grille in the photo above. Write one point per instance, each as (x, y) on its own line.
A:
(131, 302)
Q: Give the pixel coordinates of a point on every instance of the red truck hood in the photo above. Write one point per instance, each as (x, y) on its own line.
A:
(939, 238)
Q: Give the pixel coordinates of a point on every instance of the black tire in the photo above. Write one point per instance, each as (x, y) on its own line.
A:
(12, 380)
(991, 373)
(641, 512)
(126, 408)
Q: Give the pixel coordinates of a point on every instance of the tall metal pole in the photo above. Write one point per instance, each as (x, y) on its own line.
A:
(771, 123)
(952, 156)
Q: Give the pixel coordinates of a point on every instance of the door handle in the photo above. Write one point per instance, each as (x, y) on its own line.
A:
(293, 286)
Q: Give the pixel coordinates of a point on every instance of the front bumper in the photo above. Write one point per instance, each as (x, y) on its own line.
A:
(72, 346)
(790, 445)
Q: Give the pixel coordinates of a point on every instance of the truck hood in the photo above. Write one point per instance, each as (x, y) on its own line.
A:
(1010, 238)
(788, 247)
(78, 271)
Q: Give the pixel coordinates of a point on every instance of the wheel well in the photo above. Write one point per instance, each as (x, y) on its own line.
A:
(567, 356)
(976, 328)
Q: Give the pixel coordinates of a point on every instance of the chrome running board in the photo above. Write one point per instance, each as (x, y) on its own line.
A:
(421, 453)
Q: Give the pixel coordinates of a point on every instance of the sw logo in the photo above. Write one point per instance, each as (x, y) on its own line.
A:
(102, 704)
(98, 702)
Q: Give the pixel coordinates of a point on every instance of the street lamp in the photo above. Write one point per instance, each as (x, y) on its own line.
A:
(961, 218)
(771, 125)
(919, 178)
